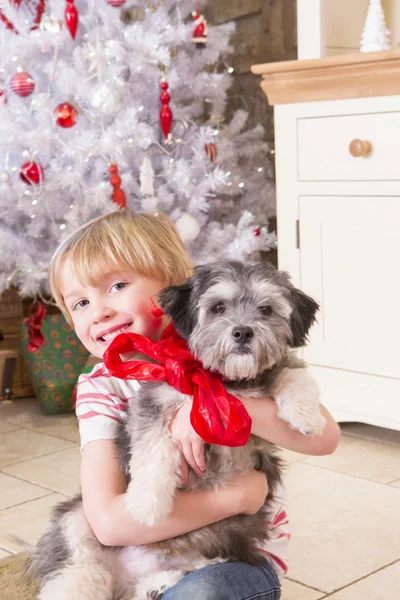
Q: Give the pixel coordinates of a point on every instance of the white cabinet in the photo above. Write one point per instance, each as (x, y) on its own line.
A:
(339, 232)
(339, 236)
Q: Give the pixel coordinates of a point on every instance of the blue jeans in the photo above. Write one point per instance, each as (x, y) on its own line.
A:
(228, 581)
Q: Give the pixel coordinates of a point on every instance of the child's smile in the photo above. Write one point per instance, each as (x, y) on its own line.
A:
(120, 302)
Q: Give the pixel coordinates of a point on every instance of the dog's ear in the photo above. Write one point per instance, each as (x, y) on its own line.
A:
(302, 317)
(175, 302)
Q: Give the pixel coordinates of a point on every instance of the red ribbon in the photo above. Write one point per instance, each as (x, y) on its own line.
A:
(216, 416)
(37, 313)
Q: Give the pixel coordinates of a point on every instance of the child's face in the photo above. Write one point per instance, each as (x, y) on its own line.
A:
(119, 303)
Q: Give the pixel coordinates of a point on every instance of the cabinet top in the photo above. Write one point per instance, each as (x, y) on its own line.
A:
(356, 75)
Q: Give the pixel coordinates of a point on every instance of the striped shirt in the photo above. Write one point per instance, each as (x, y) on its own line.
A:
(101, 404)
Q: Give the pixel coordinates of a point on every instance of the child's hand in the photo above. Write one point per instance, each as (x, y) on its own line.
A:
(251, 490)
(189, 443)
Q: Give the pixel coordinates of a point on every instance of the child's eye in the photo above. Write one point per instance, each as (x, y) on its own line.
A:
(118, 286)
(80, 304)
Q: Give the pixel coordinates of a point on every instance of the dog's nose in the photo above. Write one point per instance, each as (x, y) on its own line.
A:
(242, 334)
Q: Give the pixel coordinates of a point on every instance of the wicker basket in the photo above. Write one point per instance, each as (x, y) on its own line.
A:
(11, 317)
(7, 359)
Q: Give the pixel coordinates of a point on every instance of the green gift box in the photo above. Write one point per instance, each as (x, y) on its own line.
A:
(54, 368)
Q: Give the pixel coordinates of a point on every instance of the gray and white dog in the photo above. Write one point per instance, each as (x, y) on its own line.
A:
(240, 321)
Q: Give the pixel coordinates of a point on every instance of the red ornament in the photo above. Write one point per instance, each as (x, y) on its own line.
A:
(211, 151)
(65, 115)
(118, 195)
(116, 3)
(71, 18)
(165, 111)
(22, 84)
(216, 416)
(257, 231)
(31, 173)
(200, 33)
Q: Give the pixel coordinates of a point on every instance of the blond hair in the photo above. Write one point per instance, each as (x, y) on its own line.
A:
(147, 245)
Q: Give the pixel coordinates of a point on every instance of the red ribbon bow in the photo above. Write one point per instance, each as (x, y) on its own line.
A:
(216, 416)
(37, 313)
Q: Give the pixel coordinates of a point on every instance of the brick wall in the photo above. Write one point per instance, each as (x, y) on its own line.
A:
(265, 32)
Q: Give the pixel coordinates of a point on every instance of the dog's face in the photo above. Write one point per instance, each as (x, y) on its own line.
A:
(239, 319)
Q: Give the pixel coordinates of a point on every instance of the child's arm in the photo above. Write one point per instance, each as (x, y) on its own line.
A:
(266, 424)
(103, 489)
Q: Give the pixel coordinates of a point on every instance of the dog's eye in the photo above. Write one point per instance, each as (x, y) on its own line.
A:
(265, 310)
(218, 308)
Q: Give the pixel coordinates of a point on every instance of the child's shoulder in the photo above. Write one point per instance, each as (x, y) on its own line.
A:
(100, 377)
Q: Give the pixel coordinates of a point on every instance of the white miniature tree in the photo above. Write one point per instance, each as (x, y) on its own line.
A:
(375, 35)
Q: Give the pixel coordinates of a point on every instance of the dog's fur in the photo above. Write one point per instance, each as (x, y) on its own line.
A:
(242, 322)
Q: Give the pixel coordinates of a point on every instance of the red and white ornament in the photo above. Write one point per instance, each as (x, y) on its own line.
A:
(22, 84)
(31, 173)
(165, 111)
(116, 3)
(65, 114)
(256, 231)
(200, 33)
(71, 18)
(211, 151)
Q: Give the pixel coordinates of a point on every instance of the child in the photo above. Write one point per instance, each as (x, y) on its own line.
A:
(104, 278)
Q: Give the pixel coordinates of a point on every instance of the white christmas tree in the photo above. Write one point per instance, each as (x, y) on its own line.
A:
(375, 35)
(78, 113)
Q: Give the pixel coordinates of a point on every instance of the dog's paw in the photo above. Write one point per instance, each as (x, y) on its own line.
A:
(156, 594)
(147, 508)
(153, 585)
(309, 426)
(303, 417)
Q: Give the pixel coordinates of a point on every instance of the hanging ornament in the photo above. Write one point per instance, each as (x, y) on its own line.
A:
(118, 195)
(22, 84)
(200, 32)
(71, 18)
(211, 151)
(116, 3)
(165, 111)
(146, 177)
(51, 24)
(31, 173)
(256, 231)
(106, 99)
(375, 35)
(65, 115)
(188, 228)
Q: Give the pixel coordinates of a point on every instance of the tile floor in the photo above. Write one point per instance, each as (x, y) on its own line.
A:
(344, 508)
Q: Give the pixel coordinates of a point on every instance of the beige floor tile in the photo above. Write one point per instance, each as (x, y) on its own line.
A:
(27, 413)
(342, 526)
(60, 471)
(4, 553)
(370, 432)
(396, 483)
(27, 521)
(14, 491)
(363, 458)
(22, 444)
(383, 585)
(5, 426)
(295, 591)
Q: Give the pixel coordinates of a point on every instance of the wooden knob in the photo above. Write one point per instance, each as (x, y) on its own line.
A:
(359, 148)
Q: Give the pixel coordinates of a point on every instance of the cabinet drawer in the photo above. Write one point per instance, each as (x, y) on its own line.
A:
(323, 147)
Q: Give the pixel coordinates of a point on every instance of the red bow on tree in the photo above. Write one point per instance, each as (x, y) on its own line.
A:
(216, 416)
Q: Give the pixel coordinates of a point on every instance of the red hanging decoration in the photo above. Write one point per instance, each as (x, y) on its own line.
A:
(37, 11)
(37, 314)
(116, 3)
(71, 18)
(65, 115)
(200, 37)
(256, 231)
(216, 416)
(31, 173)
(211, 151)
(118, 195)
(22, 84)
(165, 111)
